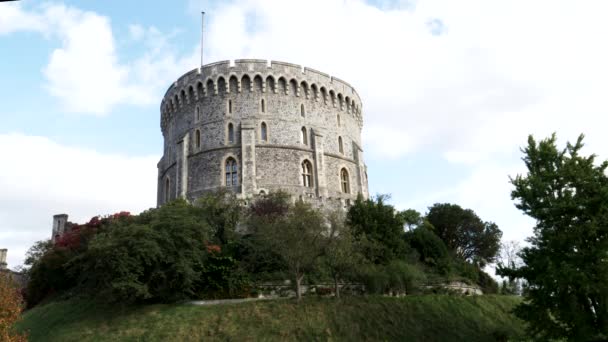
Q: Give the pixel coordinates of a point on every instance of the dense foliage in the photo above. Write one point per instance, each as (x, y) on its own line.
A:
(464, 233)
(11, 305)
(565, 266)
(219, 247)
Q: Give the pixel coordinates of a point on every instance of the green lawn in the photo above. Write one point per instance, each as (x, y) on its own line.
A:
(413, 318)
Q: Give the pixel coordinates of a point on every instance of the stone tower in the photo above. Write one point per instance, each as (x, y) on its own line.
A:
(59, 225)
(3, 263)
(255, 126)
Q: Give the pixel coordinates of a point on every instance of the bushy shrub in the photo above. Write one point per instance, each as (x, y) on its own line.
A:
(430, 248)
(159, 256)
(397, 277)
(221, 278)
(11, 305)
(48, 276)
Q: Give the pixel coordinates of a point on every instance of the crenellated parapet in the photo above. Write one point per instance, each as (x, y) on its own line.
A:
(255, 126)
(255, 75)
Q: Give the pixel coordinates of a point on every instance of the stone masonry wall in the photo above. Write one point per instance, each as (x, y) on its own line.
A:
(199, 107)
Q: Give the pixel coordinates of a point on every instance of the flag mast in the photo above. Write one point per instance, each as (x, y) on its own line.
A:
(202, 36)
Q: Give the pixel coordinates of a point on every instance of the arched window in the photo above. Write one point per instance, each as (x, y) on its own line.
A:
(229, 106)
(304, 137)
(197, 138)
(340, 145)
(167, 187)
(302, 111)
(230, 133)
(264, 132)
(262, 106)
(338, 118)
(345, 181)
(307, 174)
(232, 172)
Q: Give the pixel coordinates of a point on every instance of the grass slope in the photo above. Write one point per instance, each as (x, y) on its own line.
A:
(413, 318)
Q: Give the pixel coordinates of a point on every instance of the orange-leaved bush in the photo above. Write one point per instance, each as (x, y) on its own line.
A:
(11, 306)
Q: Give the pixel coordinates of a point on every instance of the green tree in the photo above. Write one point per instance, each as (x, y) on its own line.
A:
(565, 265)
(382, 225)
(222, 211)
(298, 237)
(431, 249)
(158, 256)
(465, 234)
(341, 255)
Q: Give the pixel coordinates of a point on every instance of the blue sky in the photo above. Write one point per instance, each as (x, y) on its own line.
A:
(450, 92)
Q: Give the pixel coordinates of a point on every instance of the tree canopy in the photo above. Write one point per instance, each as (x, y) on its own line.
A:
(565, 264)
(464, 233)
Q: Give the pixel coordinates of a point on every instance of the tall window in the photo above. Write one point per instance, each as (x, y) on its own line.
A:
(232, 173)
(264, 132)
(197, 138)
(197, 114)
(230, 133)
(167, 187)
(338, 118)
(307, 174)
(229, 106)
(344, 181)
(304, 137)
(262, 106)
(340, 145)
(302, 111)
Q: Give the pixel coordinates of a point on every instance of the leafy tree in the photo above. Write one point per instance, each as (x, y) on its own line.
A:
(48, 276)
(341, 255)
(565, 265)
(36, 252)
(222, 211)
(159, 256)
(430, 248)
(381, 225)
(465, 234)
(11, 306)
(297, 237)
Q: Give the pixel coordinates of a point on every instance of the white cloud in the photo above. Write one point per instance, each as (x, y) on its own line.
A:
(515, 67)
(44, 178)
(85, 72)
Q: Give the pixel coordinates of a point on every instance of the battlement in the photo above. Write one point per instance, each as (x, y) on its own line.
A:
(224, 77)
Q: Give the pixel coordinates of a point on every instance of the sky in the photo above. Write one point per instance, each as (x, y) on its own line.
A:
(450, 89)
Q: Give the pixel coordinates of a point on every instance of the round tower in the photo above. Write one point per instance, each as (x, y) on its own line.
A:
(255, 126)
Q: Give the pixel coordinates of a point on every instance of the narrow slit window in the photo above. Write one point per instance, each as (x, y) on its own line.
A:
(264, 132)
(304, 136)
(197, 139)
(230, 133)
(263, 106)
(302, 110)
(167, 187)
(229, 106)
(340, 145)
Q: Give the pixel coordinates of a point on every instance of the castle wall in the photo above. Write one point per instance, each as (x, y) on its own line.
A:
(196, 146)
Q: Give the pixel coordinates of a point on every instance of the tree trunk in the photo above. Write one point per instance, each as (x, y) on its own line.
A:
(299, 286)
(337, 287)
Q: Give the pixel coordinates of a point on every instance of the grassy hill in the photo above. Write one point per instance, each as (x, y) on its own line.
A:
(414, 318)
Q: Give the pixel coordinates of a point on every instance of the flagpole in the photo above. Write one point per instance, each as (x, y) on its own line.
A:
(202, 36)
